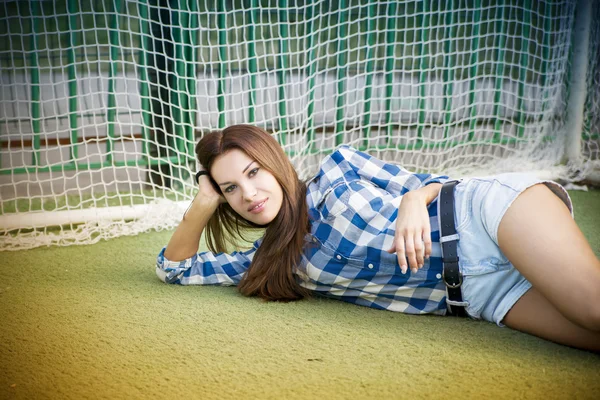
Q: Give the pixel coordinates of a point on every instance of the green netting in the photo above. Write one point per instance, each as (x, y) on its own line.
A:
(109, 96)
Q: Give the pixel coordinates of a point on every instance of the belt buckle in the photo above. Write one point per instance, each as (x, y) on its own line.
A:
(452, 285)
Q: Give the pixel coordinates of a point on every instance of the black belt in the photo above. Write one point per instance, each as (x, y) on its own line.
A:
(449, 240)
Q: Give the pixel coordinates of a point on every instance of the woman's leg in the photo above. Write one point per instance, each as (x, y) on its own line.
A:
(534, 314)
(542, 241)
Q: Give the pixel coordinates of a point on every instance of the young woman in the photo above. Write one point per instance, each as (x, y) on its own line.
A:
(367, 232)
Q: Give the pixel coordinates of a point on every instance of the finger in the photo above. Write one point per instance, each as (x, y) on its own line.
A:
(427, 243)
(392, 249)
(410, 253)
(419, 250)
(400, 254)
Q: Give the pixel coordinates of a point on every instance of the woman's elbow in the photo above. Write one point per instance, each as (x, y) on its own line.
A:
(167, 277)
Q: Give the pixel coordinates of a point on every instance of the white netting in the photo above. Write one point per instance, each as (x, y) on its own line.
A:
(102, 103)
(591, 122)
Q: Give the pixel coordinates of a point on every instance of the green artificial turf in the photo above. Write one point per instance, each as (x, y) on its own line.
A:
(95, 322)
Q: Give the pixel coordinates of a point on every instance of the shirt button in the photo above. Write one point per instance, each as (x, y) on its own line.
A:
(338, 257)
(370, 266)
(439, 276)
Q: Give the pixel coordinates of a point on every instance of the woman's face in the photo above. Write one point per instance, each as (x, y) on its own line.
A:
(252, 191)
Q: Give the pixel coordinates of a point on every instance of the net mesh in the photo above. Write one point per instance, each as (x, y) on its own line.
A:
(591, 123)
(101, 103)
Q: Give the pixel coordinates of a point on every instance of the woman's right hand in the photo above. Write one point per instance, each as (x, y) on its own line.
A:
(185, 239)
(207, 191)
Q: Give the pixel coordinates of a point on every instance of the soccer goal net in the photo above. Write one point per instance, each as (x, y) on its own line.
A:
(102, 101)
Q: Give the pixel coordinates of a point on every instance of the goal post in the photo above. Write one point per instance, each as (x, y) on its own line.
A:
(102, 102)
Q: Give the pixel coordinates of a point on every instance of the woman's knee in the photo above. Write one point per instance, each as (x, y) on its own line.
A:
(585, 310)
(591, 317)
(592, 299)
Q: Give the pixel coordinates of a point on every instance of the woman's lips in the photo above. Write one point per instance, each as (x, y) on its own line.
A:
(259, 207)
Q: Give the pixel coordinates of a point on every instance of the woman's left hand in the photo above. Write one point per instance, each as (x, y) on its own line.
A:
(412, 241)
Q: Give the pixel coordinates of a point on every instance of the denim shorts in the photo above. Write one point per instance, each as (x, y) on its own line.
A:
(491, 284)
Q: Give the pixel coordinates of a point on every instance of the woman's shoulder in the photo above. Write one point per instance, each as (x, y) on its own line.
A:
(339, 160)
(331, 171)
(345, 152)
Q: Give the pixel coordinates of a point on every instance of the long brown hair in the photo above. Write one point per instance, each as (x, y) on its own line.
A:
(271, 273)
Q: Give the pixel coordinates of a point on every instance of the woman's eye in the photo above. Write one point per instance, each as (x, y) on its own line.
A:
(253, 172)
(229, 189)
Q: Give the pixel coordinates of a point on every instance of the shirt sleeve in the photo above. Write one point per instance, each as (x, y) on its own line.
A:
(350, 164)
(205, 268)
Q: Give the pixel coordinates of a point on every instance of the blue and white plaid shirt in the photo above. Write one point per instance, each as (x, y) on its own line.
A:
(353, 205)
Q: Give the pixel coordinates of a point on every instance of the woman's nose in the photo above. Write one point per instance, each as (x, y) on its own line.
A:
(250, 193)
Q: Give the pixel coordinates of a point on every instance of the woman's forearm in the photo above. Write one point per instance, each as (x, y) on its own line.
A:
(428, 193)
(185, 240)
